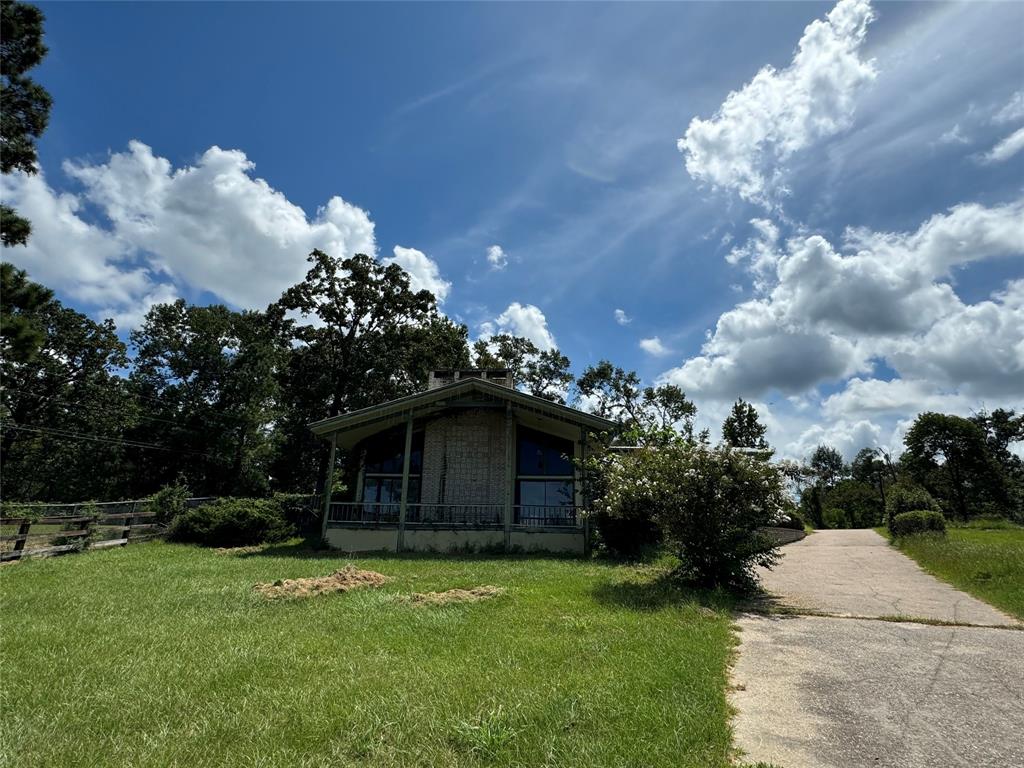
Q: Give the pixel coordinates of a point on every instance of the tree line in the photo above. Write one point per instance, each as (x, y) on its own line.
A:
(964, 467)
(221, 399)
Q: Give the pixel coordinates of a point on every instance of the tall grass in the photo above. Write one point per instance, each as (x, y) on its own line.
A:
(161, 654)
(985, 561)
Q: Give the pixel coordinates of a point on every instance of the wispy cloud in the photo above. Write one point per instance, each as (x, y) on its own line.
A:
(497, 257)
(1006, 148)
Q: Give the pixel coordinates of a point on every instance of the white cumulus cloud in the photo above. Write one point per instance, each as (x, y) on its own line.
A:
(654, 346)
(524, 320)
(622, 318)
(828, 312)
(780, 112)
(424, 273)
(207, 227)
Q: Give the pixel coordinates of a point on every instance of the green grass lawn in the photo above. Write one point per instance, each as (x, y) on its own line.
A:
(160, 654)
(987, 563)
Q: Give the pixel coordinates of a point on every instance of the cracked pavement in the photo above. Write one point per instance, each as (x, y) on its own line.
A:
(848, 690)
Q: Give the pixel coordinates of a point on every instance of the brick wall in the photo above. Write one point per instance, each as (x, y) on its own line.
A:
(464, 458)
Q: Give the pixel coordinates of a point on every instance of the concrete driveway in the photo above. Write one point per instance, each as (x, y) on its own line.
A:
(846, 689)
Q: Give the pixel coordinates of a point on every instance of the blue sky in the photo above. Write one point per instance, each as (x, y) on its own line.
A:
(815, 206)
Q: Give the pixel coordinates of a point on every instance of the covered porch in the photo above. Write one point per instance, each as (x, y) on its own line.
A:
(466, 466)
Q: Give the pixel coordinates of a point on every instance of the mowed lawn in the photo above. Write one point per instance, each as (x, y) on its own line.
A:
(987, 563)
(161, 655)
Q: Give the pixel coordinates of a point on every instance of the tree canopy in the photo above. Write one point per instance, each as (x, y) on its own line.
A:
(646, 415)
(541, 373)
(950, 456)
(24, 104)
(742, 428)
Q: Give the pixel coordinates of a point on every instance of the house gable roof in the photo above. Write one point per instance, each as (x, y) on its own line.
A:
(449, 392)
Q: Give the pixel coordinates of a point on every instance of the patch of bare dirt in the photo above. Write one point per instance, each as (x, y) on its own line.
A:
(473, 595)
(344, 580)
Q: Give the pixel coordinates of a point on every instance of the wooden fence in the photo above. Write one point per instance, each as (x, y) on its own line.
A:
(75, 527)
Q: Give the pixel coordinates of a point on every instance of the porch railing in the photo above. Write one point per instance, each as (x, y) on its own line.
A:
(362, 512)
(531, 515)
(468, 515)
(456, 514)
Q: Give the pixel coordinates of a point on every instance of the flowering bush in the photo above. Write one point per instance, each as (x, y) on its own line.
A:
(709, 504)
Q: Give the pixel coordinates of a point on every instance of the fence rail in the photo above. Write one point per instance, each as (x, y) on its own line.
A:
(43, 529)
(115, 524)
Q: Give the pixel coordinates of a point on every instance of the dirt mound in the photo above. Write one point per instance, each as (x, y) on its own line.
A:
(456, 596)
(346, 579)
(239, 550)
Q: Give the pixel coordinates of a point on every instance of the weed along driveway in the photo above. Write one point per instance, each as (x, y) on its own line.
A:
(868, 661)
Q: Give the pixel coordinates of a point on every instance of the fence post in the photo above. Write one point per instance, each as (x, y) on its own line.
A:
(87, 528)
(23, 530)
(128, 520)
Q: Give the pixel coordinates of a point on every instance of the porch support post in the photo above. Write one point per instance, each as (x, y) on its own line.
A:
(328, 485)
(584, 492)
(510, 473)
(404, 503)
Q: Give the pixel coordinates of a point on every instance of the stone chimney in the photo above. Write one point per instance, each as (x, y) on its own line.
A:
(499, 376)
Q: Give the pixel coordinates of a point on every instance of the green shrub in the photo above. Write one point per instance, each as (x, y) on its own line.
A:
(834, 518)
(708, 503)
(232, 523)
(902, 498)
(170, 501)
(917, 521)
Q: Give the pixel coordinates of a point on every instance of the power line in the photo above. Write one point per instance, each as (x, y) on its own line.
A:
(109, 440)
(110, 410)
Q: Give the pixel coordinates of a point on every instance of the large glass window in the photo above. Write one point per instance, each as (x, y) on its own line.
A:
(382, 470)
(541, 454)
(545, 488)
(384, 453)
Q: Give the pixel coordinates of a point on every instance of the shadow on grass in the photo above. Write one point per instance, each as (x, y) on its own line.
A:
(311, 549)
(663, 590)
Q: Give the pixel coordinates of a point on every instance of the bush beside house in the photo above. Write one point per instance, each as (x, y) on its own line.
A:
(232, 523)
(708, 503)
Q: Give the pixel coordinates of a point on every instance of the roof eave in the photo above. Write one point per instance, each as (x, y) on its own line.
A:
(420, 399)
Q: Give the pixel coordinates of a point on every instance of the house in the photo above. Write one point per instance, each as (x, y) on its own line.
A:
(471, 463)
